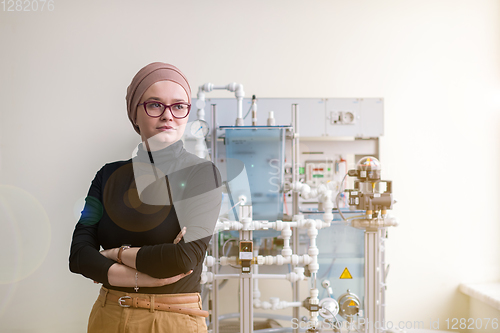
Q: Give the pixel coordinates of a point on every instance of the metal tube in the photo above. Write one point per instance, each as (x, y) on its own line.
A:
(295, 156)
(215, 237)
(226, 276)
(295, 209)
(215, 285)
(294, 159)
(383, 274)
(283, 145)
(246, 293)
(246, 306)
(213, 141)
(372, 280)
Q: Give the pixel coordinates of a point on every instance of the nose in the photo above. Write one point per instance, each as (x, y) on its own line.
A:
(167, 115)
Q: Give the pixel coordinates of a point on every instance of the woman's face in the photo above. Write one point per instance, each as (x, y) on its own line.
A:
(164, 130)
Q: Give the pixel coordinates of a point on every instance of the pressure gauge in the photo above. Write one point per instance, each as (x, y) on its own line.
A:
(199, 129)
(329, 308)
(348, 305)
(368, 168)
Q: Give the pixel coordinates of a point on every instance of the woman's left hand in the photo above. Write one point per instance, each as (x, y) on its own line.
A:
(111, 253)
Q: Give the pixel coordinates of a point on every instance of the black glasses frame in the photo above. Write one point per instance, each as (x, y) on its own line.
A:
(165, 106)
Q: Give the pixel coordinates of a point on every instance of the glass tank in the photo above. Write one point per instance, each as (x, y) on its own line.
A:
(261, 150)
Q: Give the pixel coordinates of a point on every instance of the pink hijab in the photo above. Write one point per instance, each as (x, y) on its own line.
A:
(154, 72)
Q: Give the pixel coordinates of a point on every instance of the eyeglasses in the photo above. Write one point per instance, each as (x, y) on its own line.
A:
(156, 109)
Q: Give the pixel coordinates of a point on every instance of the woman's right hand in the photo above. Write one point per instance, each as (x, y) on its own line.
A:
(180, 235)
(124, 276)
(173, 279)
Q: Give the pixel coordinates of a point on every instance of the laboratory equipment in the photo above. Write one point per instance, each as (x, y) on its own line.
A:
(285, 205)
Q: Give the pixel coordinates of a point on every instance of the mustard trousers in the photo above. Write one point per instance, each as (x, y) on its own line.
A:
(109, 317)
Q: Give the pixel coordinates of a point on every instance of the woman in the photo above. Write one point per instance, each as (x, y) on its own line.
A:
(153, 215)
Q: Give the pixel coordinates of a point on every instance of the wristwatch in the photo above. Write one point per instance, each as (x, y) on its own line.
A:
(119, 255)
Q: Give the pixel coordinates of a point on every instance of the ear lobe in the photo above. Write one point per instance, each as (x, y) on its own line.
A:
(135, 124)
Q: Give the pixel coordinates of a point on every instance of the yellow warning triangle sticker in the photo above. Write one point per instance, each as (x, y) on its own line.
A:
(345, 274)
(352, 303)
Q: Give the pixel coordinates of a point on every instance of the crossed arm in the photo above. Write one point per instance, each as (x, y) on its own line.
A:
(123, 275)
(155, 265)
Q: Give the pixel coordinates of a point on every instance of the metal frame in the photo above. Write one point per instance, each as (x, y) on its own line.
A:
(374, 296)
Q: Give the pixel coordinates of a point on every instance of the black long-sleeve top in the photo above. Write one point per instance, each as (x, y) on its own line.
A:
(144, 202)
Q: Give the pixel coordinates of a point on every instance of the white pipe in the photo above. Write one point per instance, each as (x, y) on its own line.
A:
(255, 268)
(313, 251)
(203, 276)
(287, 257)
(324, 194)
(199, 148)
(226, 276)
(286, 234)
(314, 300)
(327, 208)
(226, 261)
(288, 276)
(254, 112)
(239, 93)
(206, 276)
(269, 276)
(265, 225)
(228, 225)
(200, 103)
(209, 261)
(297, 275)
(281, 260)
(293, 259)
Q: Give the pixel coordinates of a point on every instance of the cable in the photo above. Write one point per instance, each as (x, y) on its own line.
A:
(226, 254)
(338, 196)
(328, 269)
(238, 203)
(333, 315)
(224, 245)
(245, 117)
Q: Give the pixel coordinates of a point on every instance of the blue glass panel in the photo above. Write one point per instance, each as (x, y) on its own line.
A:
(262, 152)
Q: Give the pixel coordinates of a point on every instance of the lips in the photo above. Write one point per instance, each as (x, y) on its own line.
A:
(166, 128)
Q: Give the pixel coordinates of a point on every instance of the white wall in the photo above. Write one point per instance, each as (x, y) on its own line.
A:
(63, 81)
